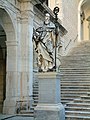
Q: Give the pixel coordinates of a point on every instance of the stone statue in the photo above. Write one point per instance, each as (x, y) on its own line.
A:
(44, 42)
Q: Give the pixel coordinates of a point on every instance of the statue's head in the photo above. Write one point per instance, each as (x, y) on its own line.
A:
(47, 18)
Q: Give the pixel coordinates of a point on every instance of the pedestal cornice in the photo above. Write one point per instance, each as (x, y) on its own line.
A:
(48, 75)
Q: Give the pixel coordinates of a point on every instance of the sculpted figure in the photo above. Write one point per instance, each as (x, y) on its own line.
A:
(44, 43)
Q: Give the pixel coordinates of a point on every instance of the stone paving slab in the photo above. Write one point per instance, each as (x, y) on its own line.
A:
(15, 117)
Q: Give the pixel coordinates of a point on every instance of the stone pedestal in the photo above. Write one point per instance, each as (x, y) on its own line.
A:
(49, 106)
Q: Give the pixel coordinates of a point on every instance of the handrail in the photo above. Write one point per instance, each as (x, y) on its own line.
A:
(75, 38)
(68, 44)
(71, 41)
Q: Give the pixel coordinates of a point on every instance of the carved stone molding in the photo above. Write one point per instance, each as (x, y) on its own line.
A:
(11, 43)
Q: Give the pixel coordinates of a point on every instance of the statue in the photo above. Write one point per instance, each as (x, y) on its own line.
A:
(44, 42)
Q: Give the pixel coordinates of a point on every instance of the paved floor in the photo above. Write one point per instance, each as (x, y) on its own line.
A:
(15, 117)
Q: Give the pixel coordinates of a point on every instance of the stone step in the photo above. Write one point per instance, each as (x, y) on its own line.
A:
(78, 113)
(35, 87)
(75, 84)
(72, 104)
(34, 105)
(76, 61)
(35, 84)
(88, 93)
(71, 89)
(73, 72)
(75, 87)
(74, 78)
(36, 101)
(73, 92)
(67, 96)
(71, 80)
(82, 49)
(70, 99)
(81, 101)
(35, 92)
(85, 97)
(72, 117)
(77, 109)
(72, 56)
(65, 101)
(74, 69)
(76, 65)
(26, 114)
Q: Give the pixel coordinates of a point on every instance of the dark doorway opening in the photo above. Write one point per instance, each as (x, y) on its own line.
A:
(2, 67)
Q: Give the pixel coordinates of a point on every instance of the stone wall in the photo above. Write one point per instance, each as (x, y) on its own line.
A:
(69, 20)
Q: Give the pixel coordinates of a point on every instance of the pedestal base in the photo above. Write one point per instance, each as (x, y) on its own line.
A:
(9, 106)
(49, 112)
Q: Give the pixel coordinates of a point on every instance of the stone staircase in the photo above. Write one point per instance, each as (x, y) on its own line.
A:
(75, 82)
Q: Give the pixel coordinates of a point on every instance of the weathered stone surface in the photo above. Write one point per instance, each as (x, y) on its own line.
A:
(49, 87)
(49, 107)
(49, 112)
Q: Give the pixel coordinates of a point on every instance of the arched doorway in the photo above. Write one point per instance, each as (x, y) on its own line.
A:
(2, 67)
(10, 92)
(83, 21)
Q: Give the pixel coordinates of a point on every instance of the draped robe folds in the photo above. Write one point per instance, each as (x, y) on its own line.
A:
(45, 49)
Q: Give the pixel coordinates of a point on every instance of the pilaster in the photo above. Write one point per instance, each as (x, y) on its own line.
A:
(11, 78)
(27, 17)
